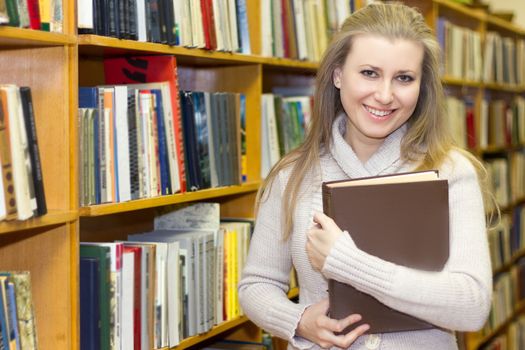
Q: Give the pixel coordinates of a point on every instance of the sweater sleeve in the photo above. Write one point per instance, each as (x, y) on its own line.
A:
(265, 279)
(456, 298)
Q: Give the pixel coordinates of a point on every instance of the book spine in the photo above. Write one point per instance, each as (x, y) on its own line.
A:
(36, 166)
(5, 159)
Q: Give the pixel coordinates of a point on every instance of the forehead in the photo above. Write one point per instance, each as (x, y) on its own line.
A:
(378, 51)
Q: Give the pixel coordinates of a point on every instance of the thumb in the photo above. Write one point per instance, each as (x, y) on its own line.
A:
(322, 219)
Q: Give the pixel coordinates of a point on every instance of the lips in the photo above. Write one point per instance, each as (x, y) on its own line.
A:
(380, 113)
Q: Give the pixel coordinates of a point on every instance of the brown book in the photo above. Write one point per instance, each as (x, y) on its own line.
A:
(401, 218)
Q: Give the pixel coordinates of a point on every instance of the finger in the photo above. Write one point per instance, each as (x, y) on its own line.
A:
(340, 325)
(351, 337)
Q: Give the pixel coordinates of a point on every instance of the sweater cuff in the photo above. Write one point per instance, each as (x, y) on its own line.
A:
(348, 264)
(285, 320)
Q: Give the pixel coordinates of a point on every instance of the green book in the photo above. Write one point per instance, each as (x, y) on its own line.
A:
(103, 255)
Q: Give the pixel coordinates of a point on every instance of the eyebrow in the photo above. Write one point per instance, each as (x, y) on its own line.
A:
(405, 71)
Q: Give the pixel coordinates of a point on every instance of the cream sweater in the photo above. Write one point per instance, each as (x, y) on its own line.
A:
(455, 299)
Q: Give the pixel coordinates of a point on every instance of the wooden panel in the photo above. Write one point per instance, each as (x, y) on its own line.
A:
(241, 206)
(46, 71)
(46, 254)
(248, 332)
(116, 227)
(254, 25)
(90, 71)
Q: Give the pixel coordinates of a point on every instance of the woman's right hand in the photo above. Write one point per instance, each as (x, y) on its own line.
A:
(319, 328)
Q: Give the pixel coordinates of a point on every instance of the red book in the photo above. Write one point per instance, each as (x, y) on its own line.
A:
(151, 69)
(137, 252)
(471, 128)
(34, 14)
(211, 24)
(206, 24)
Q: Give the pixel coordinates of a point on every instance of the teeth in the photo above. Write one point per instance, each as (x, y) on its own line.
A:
(378, 112)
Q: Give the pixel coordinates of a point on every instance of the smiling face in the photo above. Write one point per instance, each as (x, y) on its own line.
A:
(379, 86)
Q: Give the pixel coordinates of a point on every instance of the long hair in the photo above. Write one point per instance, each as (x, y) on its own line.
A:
(427, 141)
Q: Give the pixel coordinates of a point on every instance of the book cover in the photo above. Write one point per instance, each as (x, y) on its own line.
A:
(34, 153)
(89, 304)
(5, 160)
(413, 231)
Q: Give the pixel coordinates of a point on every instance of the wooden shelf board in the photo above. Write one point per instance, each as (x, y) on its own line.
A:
(464, 10)
(53, 217)
(504, 87)
(21, 37)
(520, 308)
(218, 329)
(509, 26)
(113, 208)
(105, 46)
(461, 82)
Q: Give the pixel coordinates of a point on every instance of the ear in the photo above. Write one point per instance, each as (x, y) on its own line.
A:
(337, 78)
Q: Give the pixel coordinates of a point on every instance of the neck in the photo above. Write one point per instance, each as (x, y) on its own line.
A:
(364, 149)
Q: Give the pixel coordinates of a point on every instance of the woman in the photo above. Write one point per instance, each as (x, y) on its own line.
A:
(378, 110)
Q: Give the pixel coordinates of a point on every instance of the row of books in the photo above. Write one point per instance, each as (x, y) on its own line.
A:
(504, 60)
(162, 286)
(284, 122)
(128, 146)
(462, 50)
(208, 24)
(22, 193)
(509, 291)
(501, 122)
(513, 339)
(300, 29)
(17, 317)
(501, 60)
(507, 237)
(44, 15)
(506, 177)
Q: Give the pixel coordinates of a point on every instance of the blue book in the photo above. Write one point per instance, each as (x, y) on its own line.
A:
(87, 97)
(242, 27)
(89, 304)
(163, 150)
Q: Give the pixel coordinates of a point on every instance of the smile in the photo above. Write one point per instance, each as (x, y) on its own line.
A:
(377, 112)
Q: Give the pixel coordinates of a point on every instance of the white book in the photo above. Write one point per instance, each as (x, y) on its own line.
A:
(122, 142)
(186, 26)
(85, 14)
(20, 171)
(219, 33)
(3, 209)
(128, 289)
(214, 176)
(232, 22)
(266, 28)
(343, 10)
(142, 33)
(145, 136)
(196, 24)
(302, 50)
(277, 25)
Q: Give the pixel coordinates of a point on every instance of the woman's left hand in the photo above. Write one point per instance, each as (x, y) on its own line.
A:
(320, 239)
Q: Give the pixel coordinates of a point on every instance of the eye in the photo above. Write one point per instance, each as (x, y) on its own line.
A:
(405, 78)
(369, 73)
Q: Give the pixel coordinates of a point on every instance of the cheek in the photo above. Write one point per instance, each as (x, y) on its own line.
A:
(409, 98)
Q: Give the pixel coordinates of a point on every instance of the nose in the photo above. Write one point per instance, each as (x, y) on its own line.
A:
(385, 93)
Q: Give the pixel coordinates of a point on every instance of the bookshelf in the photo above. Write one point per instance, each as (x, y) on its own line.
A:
(477, 90)
(54, 65)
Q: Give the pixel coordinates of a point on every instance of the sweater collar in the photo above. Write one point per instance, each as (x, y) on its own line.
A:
(386, 160)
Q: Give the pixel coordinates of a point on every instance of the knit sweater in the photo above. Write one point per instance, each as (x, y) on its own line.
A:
(454, 299)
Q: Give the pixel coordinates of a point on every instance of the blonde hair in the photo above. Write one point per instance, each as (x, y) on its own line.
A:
(427, 141)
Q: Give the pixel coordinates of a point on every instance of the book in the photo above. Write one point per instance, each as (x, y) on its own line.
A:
(412, 231)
